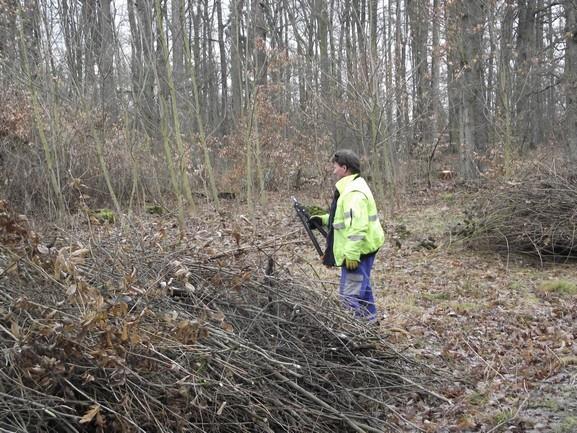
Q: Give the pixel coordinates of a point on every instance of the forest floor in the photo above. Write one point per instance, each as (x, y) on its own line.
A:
(501, 331)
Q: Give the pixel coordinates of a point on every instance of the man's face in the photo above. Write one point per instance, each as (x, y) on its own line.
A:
(339, 171)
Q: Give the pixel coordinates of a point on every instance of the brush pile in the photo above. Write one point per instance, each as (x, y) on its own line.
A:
(124, 336)
(535, 216)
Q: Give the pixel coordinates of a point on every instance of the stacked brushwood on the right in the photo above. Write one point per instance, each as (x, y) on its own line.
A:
(536, 215)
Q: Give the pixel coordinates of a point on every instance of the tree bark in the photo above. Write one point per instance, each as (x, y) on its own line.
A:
(527, 80)
(106, 60)
(570, 75)
(453, 71)
(435, 71)
(8, 40)
(71, 44)
(142, 67)
(504, 94)
(321, 17)
(258, 40)
(223, 69)
(178, 20)
(401, 94)
(237, 54)
(418, 13)
(473, 126)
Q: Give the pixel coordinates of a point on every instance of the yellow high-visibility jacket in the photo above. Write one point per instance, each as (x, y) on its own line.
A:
(356, 225)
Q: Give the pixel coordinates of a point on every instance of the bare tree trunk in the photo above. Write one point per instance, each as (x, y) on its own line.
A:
(8, 40)
(32, 33)
(165, 72)
(177, 36)
(88, 45)
(237, 53)
(570, 78)
(453, 72)
(490, 90)
(31, 80)
(321, 16)
(468, 166)
(472, 123)
(504, 96)
(389, 90)
(348, 43)
(106, 61)
(209, 69)
(223, 69)
(211, 188)
(71, 45)
(476, 81)
(401, 97)
(310, 73)
(143, 67)
(49, 31)
(359, 35)
(551, 96)
(538, 102)
(526, 81)
(159, 11)
(258, 40)
(435, 71)
(418, 13)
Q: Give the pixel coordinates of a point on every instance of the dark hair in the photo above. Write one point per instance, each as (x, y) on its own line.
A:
(349, 158)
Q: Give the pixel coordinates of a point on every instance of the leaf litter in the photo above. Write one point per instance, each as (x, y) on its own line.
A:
(503, 350)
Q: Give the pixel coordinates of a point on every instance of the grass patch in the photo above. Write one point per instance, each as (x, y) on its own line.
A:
(478, 398)
(568, 425)
(530, 300)
(436, 297)
(559, 287)
(503, 416)
(549, 403)
(463, 307)
(403, 303)
(471, 289)
(515, 286)
(447, 197)
(568, 360)
(104, 216)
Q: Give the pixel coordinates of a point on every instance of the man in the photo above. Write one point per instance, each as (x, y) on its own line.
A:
(354, 234)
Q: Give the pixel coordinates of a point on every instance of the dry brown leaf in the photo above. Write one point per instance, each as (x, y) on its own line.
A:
(43, 249)
(124, 333)
(82, 252)
(118, 310)
(181, 274)
(236, 236)
(71, 290)
(227, 327)
(87, 378)
(90, 414)
(15, 329)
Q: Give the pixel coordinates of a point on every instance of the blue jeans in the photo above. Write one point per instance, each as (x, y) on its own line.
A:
(355, 289)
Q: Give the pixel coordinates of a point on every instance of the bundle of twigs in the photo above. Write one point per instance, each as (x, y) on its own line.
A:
(535, 216)
(132, 340)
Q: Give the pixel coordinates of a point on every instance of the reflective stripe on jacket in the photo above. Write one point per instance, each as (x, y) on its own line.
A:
(357, 229)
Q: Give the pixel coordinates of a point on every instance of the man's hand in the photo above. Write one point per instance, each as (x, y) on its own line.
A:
(351, 264)
(315, 222)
